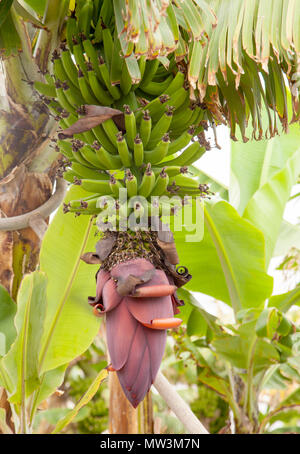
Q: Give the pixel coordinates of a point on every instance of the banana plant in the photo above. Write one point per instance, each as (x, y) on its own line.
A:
(132, 88)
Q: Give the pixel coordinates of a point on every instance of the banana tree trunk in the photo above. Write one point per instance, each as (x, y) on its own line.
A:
(20, 192)
(27, 162)
(123, 418)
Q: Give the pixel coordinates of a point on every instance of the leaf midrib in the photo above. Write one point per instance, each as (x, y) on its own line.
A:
(225, 263)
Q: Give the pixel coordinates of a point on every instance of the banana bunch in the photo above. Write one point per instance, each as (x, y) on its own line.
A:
(150, 155)
(103, 173)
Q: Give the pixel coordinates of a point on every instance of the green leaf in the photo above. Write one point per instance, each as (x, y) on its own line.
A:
(93, 388)
(21, 361)
(289, 236)
(71, 325)
(52, 415)
(196, 324)
(236, 350)
(255, 162)
(272, 321)
(228, 263)
(8, 331)
(38, 6)
(286, 300)
(197, 314)
(49, 382)
(266, 208)
(4, 10)
(27, 15)
(267, 323)
(10, 43)
(220, 385)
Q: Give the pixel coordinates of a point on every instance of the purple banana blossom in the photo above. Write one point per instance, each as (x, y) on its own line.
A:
(139, 302)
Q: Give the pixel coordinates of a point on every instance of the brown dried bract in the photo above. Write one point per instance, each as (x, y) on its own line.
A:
(94, 116)
(90, 258)
(126, 286)
(105, 245)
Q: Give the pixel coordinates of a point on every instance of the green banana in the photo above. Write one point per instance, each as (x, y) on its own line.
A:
(186, 182)
(85, 17)
(81, 203)
(147, 183)
(176, 83)
(161, 183)
(92, 55)
(131, 183)
(70, 176)
(175, 100)
(68, 65)
(102, 138)
(73, 95)
(123, 151)
(145, 128)
(108, 161)
(130, 125)
(161, 127)
(172, 171)
(115, 186)
(68, 117)
(129, 99)
(138, 151)
(111, 130)
(188, 156)
(97, 7)
(159, 153)
(113, 89)
(150, 70)
(156, 88)
(181, 142)
(79, 57)
(103, 97)
(86, 172)
(58, 69)
(182, 119)
(90, 156)
(183, 192)
(108, 45)
(156, 107)
(65, 104)
(125, 82)
(117, 63)
(98, 186)
(142, 65)
(65, 148)
(71, 32)
(78, 156)
(106, 12)
(85, 89)
(89, 137)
